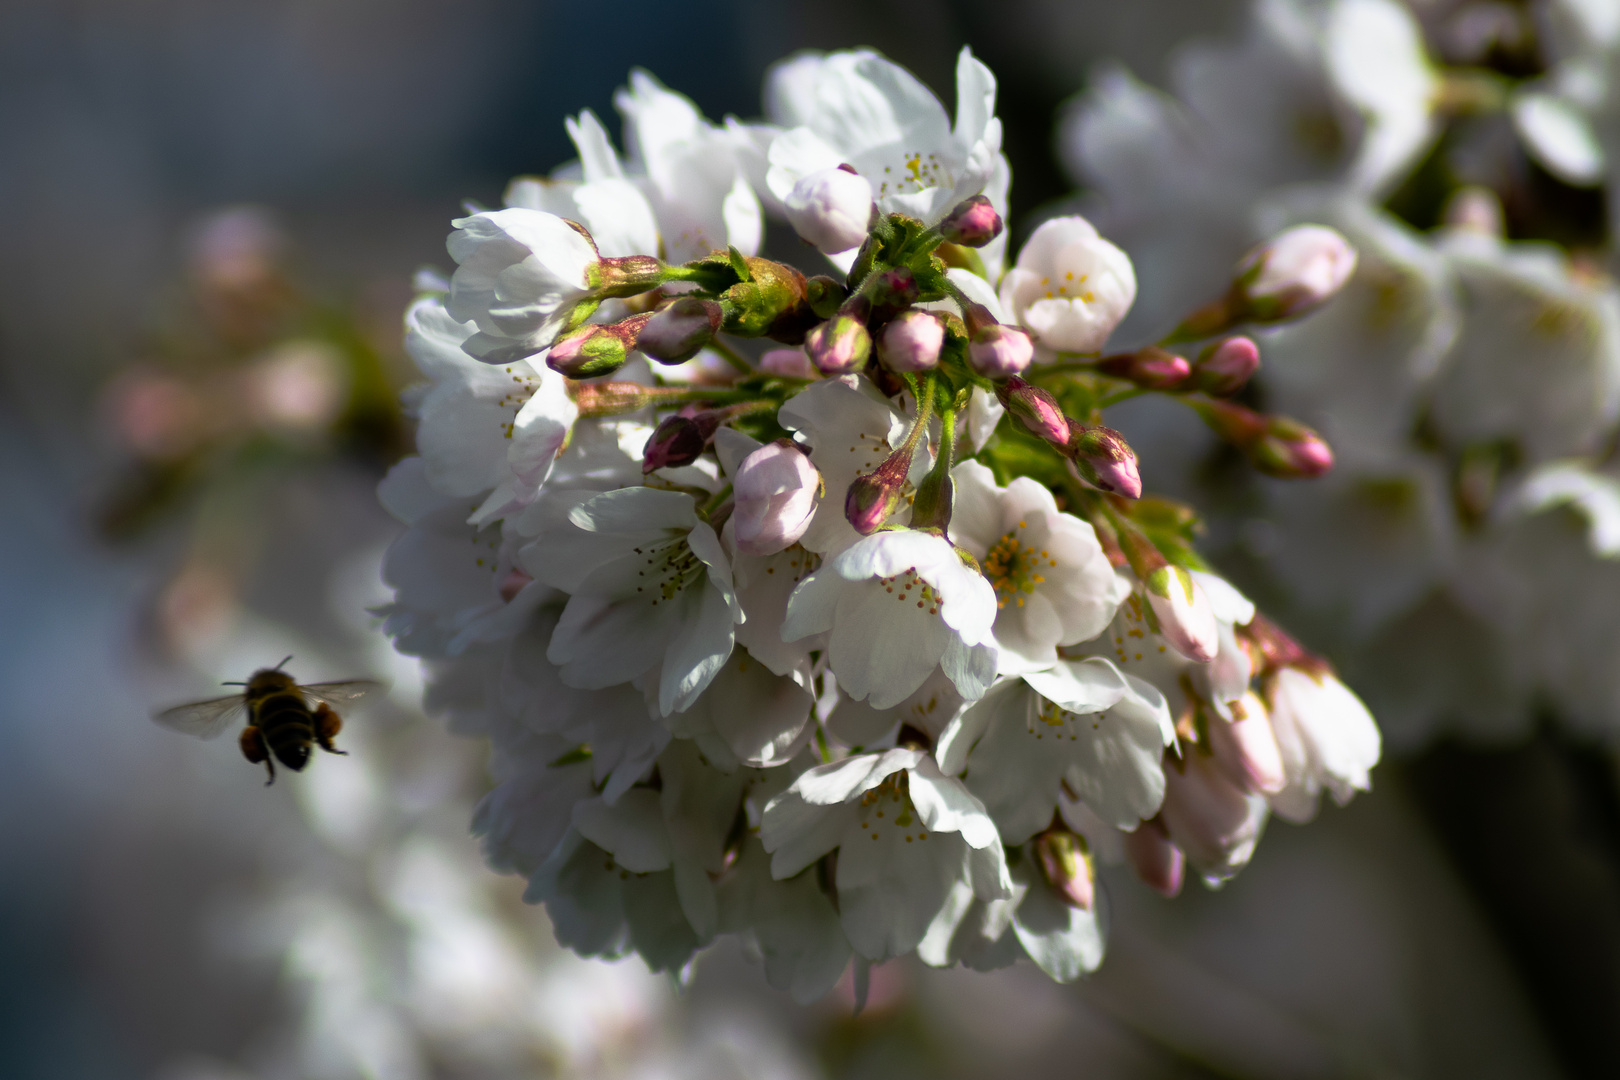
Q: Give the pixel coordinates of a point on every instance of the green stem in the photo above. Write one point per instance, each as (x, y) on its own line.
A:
(932, 507)
(925, 411)
(731, 356)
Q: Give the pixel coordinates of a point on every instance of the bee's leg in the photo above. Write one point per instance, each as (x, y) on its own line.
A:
(253, 748)
(327, 725)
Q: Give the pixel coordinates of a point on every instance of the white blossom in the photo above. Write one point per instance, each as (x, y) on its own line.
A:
(648, 585)
(859, 109)
(1082, 724)
(1053, 584)
(897, 605)
(520, 277)
(1070, 287)
(905, 833)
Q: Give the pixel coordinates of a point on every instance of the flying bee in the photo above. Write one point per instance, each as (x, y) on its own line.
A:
(281, 721)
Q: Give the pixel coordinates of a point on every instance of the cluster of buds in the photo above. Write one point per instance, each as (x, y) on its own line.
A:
(878, 535)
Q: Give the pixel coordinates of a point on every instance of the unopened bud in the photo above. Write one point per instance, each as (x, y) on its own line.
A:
(996, 351)
(628, 275)
(1291, 451)
(680, 440)
(788, 363)
(892, 290)
(594, 349)
(1226, 367)
(771, 301)
(1151, 368)
(839, 345)
(596, 400)
(974, 223)
(1298, 269)
(775, 498)
(1104, 459)
(872, 498)
(676, 331)
(1157, 861)
(825, 295)
(1035, 409)
(1067, 866)
(1207, 816)
(1245, 748)
(832, 209)
(1186, 618)
(911, 341)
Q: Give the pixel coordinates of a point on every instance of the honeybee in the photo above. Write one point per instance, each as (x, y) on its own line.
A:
(281, 724)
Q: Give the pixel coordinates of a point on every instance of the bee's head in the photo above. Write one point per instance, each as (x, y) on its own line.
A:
(268, 681)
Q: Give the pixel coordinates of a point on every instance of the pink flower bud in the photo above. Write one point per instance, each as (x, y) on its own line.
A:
(998, 351)
(1186, 619)
(1103, 459)
(873, 497)
(679, 329)
(1157, 861)
(974, 223)
(775, 491)
(1226, 366)
(832, 208)
(680, 440)
(1208, 817)
(911, 341)
(1063, 859)
(594, 349)
(1152, 368)
(1297, 270)
(839, 345)
(1035, 409)
(892, 290)
(788, 363)
(1245, 749)
(1291, 451)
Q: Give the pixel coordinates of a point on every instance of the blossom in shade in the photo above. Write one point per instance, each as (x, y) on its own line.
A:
(1326, 736)
(1082, 724)
(649, 586)
(905, 833)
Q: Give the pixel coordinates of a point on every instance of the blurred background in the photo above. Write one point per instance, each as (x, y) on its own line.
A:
(211, 215)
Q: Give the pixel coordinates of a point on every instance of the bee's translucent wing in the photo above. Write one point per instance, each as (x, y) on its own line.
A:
(346, 692)
(204, 719)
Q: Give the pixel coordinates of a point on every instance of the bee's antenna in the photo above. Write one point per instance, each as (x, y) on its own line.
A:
(279, 666)
(235, 683)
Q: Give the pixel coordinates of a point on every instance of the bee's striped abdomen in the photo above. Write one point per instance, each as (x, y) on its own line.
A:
(288, 727)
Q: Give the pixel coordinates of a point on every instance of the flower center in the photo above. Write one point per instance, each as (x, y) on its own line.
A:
(908, 588)
(669, 569)
(1050, 721)
(1014, 568)
(889, 806)
(1069, 288)
(1130, 634)
(518, 396)
(917, 171)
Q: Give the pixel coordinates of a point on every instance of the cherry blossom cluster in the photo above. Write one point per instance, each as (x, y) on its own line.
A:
(823, 608)
(1461, 559)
